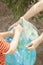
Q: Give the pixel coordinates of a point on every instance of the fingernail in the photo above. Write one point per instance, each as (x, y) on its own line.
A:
(26, 46)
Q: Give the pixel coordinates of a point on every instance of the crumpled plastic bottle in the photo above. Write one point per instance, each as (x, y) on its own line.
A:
(22, 55)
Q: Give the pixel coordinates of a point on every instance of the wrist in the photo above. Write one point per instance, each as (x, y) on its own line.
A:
(19, 28)
(42, 37)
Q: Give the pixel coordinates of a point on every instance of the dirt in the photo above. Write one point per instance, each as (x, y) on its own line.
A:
(6, 19)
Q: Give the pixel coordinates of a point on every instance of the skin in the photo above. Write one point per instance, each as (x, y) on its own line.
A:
(30, 13)
(38, 7)
(4, 34)
(34, 44)
(14, 43)
(34, 10)
(15, 40)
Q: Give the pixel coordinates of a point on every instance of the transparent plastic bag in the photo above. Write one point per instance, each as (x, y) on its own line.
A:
(22, 55)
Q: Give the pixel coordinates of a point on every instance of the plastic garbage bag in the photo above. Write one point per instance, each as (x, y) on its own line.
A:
(22, 55)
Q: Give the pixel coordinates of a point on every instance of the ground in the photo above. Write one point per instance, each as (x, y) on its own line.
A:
(6, 19)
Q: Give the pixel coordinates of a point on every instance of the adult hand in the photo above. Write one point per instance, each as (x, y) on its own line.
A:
(15, 24)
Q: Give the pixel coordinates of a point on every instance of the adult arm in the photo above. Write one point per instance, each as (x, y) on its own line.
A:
(34, 44)
(34, 10)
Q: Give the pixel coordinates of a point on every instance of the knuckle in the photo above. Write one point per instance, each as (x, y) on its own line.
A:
(33, 47)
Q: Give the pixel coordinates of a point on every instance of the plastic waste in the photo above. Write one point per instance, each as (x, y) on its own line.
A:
(22, 55)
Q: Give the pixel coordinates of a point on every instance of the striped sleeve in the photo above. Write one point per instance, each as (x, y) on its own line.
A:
(4, 45)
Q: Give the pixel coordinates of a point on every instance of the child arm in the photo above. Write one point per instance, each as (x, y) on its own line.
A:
(4, 34)
(7, 48)
(14, 43)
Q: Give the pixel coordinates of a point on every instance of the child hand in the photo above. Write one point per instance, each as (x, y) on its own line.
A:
(18, 28)
(15, 24)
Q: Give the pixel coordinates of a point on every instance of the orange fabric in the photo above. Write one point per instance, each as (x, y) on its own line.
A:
(4, 46)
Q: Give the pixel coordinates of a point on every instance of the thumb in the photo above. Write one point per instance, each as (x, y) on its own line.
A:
(31, 48)
(29, 45)
(9, 51)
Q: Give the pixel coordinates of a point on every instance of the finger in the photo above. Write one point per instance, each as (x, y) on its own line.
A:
(21, 19)
(31, 48)
(11, 27)
(29, 45)
(13, 30)
(15, 24)
(9, 51)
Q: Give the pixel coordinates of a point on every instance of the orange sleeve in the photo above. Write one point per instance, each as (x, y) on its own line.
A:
(4, 45)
